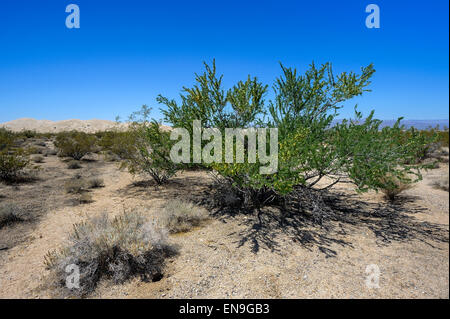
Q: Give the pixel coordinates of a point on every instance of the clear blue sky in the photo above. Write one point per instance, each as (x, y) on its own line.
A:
(127, 52)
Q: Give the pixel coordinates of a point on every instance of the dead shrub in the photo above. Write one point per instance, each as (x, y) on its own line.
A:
(116, 249)
(180, 216)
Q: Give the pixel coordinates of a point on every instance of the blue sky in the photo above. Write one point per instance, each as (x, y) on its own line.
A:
(127, 52)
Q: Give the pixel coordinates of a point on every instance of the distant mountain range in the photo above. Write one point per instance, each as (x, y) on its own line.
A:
(418, 124)
(46, 126)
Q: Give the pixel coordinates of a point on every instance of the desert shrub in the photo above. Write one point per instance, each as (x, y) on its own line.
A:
(117, 145)
(37, 159)
(151, 149)
(75, 144)
(95, 183)
(10, 213)
(6, 139)
(312, 148)
(13, 163)
(75, 186)
(117, 249)
(180, 216)
(73, 165)
(392, 186)
(441, 182)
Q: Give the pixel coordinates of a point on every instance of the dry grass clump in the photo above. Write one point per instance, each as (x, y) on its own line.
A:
(10, 213)
(73, 165)
(441, 183)
(85, 198)
(95, 183)
(51, 152)
(38, 159)
(116, 249)
(393, 186)
(75, 186)
(180, 216)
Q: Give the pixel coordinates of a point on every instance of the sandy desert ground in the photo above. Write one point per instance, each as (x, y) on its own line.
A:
(236, 256)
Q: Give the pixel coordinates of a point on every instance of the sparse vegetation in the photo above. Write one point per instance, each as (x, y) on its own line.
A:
(75, 144)
(180, 216)
(117, 249)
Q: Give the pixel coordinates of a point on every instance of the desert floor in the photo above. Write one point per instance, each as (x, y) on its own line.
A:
(236, 256)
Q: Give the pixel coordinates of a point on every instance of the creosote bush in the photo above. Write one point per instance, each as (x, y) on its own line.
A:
(13, 159)
(315, 152)
(150, 154)
(75, 144)
(114, 248)
(180, 216)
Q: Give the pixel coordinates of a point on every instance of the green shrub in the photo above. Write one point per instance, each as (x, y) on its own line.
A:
(121, 144)
(180, 216)
(311, 148)
(75, 144)
(117, 249)
(151, 149)
(12, 164)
